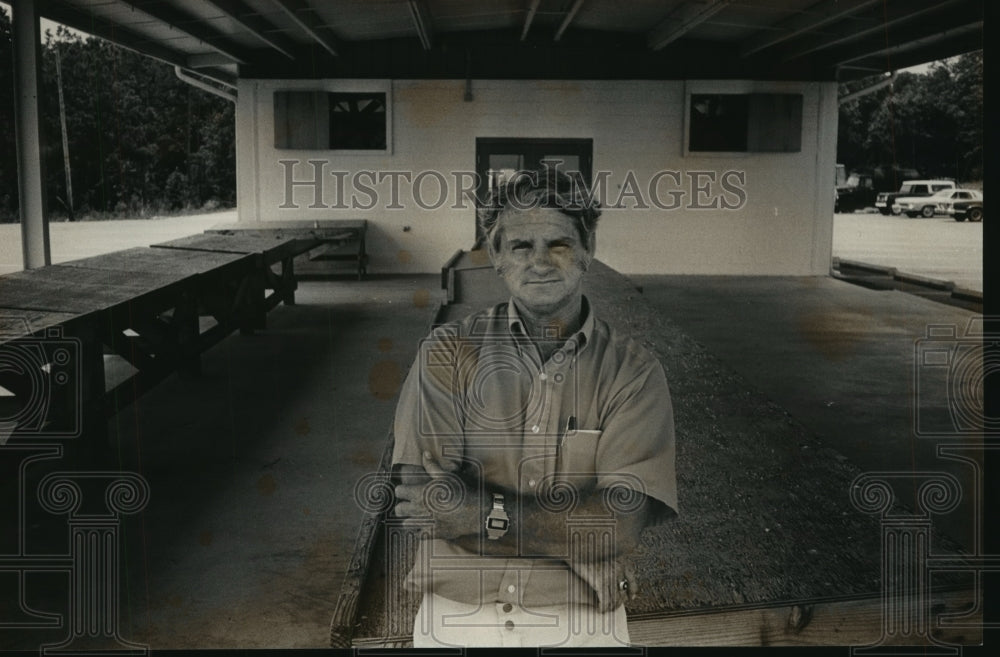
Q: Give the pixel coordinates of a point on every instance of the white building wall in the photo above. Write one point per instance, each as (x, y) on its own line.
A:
(784, 227)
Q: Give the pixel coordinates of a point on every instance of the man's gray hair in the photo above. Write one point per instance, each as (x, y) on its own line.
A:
(547, 187)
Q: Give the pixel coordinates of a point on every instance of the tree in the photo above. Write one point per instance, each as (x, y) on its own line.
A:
(140, 140)
(931, 122)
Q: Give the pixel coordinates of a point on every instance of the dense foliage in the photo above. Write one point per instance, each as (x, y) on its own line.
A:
(930, 122)
(141, 141)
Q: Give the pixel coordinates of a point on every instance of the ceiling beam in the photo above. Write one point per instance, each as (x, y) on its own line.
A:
(948, 34)
(206, 60)
(193, 27)
(256, 25)
(90, 24)
(672, 28)
(570, 15)
(99, 27)
(422, 22)
(190, 77)
(305, 17)
(931, 53)
(532, 10)
(809, 19)
(860, 93)
(893, 15)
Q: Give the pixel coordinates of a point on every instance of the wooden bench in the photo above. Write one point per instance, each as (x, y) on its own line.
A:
(339, 239)
(156, 307)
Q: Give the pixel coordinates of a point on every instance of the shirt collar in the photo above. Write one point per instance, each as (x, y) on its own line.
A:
(516, 325)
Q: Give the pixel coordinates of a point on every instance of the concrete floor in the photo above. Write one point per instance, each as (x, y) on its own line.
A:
(252, 467)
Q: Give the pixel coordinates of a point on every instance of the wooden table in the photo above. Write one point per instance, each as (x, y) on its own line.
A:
(158, 308)
(338, 239)
(266, 250)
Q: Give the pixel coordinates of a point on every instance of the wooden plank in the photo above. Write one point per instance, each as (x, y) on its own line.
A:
(342, 625)
(16, 323)
(322, 224)
(137, 281)
(448, 266)
(179, 262)
(330, 229)
(347, 234)
(272, 248)
(846, 622)
(38, 293)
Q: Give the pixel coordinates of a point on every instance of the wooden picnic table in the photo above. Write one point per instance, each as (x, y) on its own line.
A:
(337, 239)
(157, 307)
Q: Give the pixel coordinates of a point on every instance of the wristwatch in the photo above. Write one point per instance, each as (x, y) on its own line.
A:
(497, 521)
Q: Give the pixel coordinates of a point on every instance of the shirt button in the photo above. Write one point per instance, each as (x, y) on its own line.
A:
(511, 588)
(532, 482)
(507, 607)
(534, 429)
(509, 625)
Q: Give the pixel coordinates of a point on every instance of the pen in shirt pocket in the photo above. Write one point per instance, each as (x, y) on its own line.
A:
(570, 428)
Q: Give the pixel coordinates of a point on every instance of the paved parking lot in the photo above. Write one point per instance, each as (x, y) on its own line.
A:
(939, 247)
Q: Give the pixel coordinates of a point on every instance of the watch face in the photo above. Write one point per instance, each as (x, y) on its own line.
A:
(496, 523)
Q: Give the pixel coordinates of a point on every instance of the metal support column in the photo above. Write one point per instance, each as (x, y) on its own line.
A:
(27, 122)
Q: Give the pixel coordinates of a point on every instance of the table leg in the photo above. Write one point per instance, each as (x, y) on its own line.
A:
(288, 281)
(188, 334)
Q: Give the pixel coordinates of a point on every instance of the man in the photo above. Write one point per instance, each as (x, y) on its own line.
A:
(533, 444)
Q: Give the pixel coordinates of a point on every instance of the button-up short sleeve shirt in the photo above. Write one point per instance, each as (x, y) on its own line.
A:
(594, 415)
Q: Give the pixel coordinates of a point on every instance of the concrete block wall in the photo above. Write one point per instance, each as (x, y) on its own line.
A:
(774, 211)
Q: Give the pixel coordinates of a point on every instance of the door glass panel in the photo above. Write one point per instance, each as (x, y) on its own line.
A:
(502, 167)
(565, 163)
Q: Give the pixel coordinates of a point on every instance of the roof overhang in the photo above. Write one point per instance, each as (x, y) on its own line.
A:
(538, 39)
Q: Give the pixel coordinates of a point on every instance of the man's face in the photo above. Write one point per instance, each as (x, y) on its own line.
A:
(541, 258)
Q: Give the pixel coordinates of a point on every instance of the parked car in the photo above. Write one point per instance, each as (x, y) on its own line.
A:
(928, 206)
(885, 200)
(966, 208)
(857, 191)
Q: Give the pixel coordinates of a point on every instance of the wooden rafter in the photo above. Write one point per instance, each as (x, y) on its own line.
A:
(305, 17)
(193, 27)
(816, 16)
(957, 32)
(570, 15)
(532, 10)
(671, 28)
(254, 23)
(892, 16)
(422, 22)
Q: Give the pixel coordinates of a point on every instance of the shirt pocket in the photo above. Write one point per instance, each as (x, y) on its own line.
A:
(577, 460)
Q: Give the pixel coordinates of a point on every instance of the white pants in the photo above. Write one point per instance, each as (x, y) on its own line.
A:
(442, 622)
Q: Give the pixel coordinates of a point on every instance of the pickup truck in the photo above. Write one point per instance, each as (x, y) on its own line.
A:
(885, 200)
